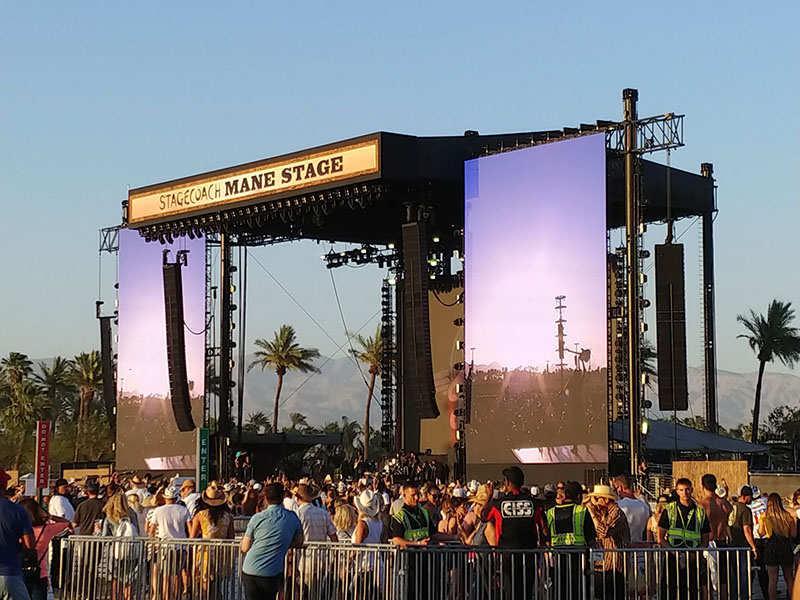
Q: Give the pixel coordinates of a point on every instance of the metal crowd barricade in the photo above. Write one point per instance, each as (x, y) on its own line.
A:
(342, 571)
(671, 574)
(240, 525)
(107, 568)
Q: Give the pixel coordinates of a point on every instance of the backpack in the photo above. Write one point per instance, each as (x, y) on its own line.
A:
(31, 563)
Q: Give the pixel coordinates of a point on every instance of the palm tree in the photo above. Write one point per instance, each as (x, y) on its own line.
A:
(16, 367)
(350, 431)
(370, 353)
(770, 337)
(256, 422)
(57, 384)
(283, 354)
(299, 421)
(86, 374)
(20, 415)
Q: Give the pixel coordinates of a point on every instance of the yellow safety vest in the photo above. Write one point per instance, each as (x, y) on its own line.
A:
(411, 531)
(572, 538)
(679, 534)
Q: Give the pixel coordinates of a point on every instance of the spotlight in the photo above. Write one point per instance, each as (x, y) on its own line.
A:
(363, 251)
(391, 281)
(645, 427)
(458, 366)
(390, 246)
(459, 344)
(458, 322)
(436, 239)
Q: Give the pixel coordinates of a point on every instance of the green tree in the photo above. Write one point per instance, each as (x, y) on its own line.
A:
(257, 423)
(19, 416)
(370, 352)
(15, 368)
(283, 354)
(299, 422)
(770, 337)
(86, 374)
(56, 382)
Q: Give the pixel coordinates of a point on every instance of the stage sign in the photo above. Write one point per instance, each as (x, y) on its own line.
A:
(231, 186)
(535, 304)
(203, 458)
(42, 455)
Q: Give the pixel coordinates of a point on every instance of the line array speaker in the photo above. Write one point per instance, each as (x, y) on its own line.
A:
(176, 347)
(418, 386)
(673, 387)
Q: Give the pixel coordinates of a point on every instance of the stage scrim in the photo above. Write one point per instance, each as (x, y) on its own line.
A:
(147, 435)
(536, 231)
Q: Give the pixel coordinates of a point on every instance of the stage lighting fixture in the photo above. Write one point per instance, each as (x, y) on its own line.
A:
(458, 366)
(459, 344)
(433, 275)
(392, 281)
(433, 262)
(644, 254)
(390, 246)
(642, 278)
(436, 239)
(645, 426)
(644, 327)
(458, 322)
(645, 303)
(363, 251)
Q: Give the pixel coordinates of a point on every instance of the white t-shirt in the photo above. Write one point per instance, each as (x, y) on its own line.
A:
(61, 507)
(191, 502)
(291, 504)
(637, 512)
(171, 521)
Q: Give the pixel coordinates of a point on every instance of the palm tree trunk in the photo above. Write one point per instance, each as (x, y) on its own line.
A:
(757, 402)
(366, 417)
(18, 455)
(277, 398)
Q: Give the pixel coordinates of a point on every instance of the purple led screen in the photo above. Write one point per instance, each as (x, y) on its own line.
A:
(147, 436)
(536, 230)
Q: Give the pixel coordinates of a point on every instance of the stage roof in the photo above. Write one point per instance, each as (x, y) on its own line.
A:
(360, 190)
(671, 437)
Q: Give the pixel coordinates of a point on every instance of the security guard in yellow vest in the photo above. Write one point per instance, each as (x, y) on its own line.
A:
(411, 525)
(570, 526)
(569, 523)
(683, 525)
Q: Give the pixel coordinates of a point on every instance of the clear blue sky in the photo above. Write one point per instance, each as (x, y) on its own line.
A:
(99, 96)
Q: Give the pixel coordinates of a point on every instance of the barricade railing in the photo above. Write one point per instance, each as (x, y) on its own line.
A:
(240, 525)
(152, 569)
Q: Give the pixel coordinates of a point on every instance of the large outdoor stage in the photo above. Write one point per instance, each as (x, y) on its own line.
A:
(502, 328)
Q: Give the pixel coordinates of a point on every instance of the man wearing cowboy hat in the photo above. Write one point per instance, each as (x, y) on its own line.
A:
(189, 496)
(140, 488)
(316, 521)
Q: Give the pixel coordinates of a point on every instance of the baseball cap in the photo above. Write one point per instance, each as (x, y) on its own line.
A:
(756, 491)
(60, 481)
(171, 493)
(746, 491)
(514, 475)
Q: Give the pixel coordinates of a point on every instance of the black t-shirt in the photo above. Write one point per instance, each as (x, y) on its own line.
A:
(518, 519)
(685, 519)
(740, 516)
(86, 514)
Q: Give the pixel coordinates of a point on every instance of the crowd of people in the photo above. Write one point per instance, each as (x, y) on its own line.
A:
(375, 509)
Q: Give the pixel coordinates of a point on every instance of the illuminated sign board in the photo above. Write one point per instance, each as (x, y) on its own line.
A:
(240, 184)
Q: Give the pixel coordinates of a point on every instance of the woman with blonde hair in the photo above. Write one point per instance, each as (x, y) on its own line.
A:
(121, 522)
(652, 522)
(344, 519)
(484, 533)
(779, 527)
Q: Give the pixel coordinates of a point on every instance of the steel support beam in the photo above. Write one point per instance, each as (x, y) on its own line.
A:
(709, 313)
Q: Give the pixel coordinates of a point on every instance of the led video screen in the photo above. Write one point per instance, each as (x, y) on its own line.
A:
(535, 240)
(147, 435)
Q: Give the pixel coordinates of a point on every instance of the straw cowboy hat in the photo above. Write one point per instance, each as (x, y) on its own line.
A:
(368, 502)
(603, 491)
(213, 496)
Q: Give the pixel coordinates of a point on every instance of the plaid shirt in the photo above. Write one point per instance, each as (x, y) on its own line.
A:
(316, 522)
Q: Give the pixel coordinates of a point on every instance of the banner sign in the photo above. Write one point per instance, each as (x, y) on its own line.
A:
(237, 185)
(203, 458)
(42, 454)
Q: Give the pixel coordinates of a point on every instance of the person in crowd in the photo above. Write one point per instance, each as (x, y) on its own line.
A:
(16, 534)
(779, 527)
(344, 519)
(45, 528)
(269, 535)
(250, 503)
(569, 526)
(740, 526)
(316, 521)
(433, 503)
(717, 510)
(758, 506)
(652, 521)
(171, 521)
(89, 515)
(212, 521)
(483, 533)
(140, 488)
(60, 504)
(549, 496)
(139, 511)
(411, 524)
(450, 521)
(613, 532)
(121, 522)
(369, 528)
(684, 524)
(189, 495)
(290, 499)
(637, 510)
